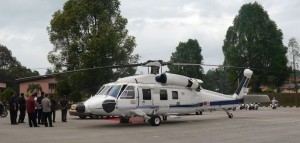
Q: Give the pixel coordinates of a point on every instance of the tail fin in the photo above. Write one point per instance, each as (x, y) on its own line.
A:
(242, 88)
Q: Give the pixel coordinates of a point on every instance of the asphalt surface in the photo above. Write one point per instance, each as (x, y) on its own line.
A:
(263, 126)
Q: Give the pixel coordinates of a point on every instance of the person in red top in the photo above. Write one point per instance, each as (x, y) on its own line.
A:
(30, 107)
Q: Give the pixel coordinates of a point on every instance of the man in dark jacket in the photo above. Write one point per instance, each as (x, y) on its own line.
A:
(13, 109)
(22, 107)
(63, 104)
(53, 107)
(40, 109)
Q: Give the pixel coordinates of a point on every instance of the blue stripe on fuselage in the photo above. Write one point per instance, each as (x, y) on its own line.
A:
(212, 103)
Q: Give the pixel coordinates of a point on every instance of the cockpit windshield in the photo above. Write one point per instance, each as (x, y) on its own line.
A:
(114, 90)
(103, 89)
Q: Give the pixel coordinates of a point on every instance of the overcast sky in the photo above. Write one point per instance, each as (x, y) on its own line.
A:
(157, 25)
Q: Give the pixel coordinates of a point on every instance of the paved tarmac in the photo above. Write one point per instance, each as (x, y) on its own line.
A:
(262, 126)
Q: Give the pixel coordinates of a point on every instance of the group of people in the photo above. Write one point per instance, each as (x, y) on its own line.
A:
(40, 109)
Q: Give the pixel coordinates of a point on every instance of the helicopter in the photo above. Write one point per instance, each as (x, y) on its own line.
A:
(155, 97)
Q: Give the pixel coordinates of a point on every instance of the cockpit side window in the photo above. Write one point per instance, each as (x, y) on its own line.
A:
(114, 90)
(128, 93)
(101, 88)
(106, 88)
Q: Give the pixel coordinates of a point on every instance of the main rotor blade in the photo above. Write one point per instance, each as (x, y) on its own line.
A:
(102, 67)
(210, 65)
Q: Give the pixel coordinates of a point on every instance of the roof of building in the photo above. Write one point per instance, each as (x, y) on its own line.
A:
(32, 78)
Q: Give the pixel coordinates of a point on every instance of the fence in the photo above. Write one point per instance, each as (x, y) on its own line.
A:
(285, 99)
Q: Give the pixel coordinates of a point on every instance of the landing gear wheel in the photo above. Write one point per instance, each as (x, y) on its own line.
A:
(124, 119)
(92, 116)
(198, 112)
(82, 117)
(155, 120)
(230, 115)
(4, 113)
(165, 118)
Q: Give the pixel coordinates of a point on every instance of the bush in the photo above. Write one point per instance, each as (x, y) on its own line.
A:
(268, 91)
(75, 96)
(7, 93)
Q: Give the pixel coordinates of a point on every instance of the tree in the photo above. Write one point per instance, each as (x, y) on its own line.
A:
(88, 34)
(216, 80)
(32, 88)
(75, 96)
(62, 87)
(7, 93)
(11, 69)
(255, 41)
(294, 53)
(187, 52)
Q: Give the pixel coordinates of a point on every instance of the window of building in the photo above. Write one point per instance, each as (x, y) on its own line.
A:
(52, 85)
(163, 94)
(146, 94)
(174, 94)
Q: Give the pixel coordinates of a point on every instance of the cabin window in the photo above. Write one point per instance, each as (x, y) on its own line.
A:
(146, 94)
(128, 93)
(163, 94)
(174, 94)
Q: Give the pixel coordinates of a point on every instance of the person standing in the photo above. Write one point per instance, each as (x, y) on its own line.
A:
(63, 104)
(22, 108)
(53, 107)
(13, 109)
(39, 108)
(46, 105)
(30, 106)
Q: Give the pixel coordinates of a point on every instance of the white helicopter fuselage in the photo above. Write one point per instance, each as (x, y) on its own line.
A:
(144, 95)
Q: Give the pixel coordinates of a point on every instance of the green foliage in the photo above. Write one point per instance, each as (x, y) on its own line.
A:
(187, 52)
(255, 41)
(11, 69)
(62, 87)
(7, 93)
(87, 34)
(294, 53)
(75, 96)
(268, 91)
(216, 80)
(32, 88)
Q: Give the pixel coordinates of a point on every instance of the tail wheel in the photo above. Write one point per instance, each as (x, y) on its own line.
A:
(155, 120)
(230, 115)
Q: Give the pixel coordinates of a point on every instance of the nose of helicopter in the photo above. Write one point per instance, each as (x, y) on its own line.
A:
(80, 108)
(109, 105)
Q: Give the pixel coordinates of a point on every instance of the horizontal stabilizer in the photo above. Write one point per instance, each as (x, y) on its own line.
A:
(256, 99)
